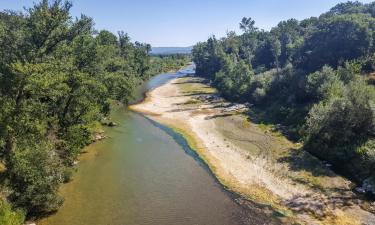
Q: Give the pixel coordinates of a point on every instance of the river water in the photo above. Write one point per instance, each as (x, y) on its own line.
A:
(144, 174)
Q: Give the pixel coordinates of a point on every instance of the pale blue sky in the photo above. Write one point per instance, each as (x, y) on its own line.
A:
(185, 22)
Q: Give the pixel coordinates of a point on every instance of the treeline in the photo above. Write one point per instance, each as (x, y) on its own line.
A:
(58, 77)
(312, 76)
(167, 63)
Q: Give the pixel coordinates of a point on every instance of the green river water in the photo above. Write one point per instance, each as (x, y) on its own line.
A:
(144, 174)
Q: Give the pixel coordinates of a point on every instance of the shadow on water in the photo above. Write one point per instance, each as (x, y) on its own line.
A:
(182, 142)
(253, 213)
(257, 212)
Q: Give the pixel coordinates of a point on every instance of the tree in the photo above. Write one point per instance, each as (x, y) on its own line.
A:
(208, 57)
(233, 79)
(248, 25)
(321, 83)
(290, 35)
(276, 51)
(35, 185)
(347, 8)
(343, 119)
(106, 38)
(57, 79)
(307, 76)
(266, 52)
(324, 45)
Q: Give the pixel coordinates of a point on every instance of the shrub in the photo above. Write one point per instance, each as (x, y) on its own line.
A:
(35, 174)
(9, 216)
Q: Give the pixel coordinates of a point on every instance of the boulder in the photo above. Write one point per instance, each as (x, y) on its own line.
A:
(360, 190)
(112, 124)
(99, 136)
(369, 185)
(109, 124)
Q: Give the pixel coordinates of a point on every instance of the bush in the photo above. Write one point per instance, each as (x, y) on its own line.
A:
(233, 80)
(338, 126)
(318, 83)
(9, 216)
(35, 174)
(259, 94)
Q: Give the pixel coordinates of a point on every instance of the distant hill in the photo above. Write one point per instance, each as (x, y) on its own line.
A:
(171, 50)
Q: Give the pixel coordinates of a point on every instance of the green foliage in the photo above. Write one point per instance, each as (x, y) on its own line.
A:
(208, 57)
(324, 42)
(57, 78)
(35, 185)
(8, 216)
(321, 83)
(248, 25)
(166, 63)
(233, 79)
(343, 115)
(307, 75)
(348, 8)
(289, 33)
(341, 123)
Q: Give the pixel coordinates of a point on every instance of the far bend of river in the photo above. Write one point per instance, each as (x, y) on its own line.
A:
(144, 175)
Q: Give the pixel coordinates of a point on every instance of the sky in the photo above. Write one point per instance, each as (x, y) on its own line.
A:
(181, 23)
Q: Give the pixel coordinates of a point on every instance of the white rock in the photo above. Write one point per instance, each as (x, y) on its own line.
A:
(360, 190)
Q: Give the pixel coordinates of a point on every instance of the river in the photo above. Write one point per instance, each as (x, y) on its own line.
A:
(144, 174)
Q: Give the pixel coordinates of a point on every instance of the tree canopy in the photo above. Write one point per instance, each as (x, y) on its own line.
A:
(311, 75)
(58, 77)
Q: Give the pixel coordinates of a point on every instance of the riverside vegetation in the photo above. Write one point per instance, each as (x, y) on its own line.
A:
(312, 79)
(58, 79)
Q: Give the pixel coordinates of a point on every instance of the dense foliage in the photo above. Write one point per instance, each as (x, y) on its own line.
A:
(310, 75)
(167, 63)
(58, 77)
(8, 216)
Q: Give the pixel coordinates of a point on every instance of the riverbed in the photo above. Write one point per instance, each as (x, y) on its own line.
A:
(145, 174)
(252, 159)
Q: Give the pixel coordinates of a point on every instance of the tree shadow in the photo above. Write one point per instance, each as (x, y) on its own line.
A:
(194, 80)
(181, 110)
(286, 122)
(189, 82)
(300, 160)
(218, 116)
(193, 94)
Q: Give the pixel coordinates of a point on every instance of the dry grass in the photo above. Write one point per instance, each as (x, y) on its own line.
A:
(2, 167)
(192, 102)
(191, 86)
(341, 219)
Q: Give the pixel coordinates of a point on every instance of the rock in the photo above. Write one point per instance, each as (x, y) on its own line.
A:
(99, 136)
(112, 124)
(234, 107)
(360, 190)
(369, 185)
(107, 122)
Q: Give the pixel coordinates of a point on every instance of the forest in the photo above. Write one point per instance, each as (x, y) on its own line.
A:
(58, 79)
(312, 79)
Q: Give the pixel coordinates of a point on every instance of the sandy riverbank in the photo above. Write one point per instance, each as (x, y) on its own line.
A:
(251, 159)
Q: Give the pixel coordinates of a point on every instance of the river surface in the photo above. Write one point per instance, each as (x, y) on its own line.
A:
(144, 174)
